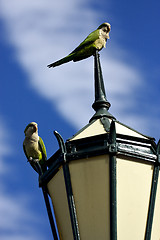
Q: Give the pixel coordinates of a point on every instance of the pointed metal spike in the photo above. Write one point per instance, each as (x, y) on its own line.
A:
(61, 143)
(112, 137)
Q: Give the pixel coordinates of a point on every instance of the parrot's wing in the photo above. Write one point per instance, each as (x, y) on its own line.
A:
(43, 148)
(93, 36)
(28, 159)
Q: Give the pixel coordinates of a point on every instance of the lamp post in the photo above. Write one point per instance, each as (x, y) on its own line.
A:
(103, 181)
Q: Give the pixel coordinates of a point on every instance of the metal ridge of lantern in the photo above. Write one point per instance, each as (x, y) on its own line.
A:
(112, 140)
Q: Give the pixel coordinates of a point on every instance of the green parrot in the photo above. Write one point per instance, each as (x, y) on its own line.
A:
(34, 147)
(95, 40)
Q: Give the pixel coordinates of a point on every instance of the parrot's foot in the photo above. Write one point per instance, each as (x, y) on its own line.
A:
(32, 160)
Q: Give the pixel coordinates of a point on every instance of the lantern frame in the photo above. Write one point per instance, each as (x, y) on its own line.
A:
(143, 150)
(140, 147)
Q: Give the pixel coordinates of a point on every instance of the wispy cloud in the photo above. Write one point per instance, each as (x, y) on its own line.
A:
(17, 220)
(16, 214)
(42, 32)
(5, 148)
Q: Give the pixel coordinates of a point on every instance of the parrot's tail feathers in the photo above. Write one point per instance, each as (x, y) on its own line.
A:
(61, 61)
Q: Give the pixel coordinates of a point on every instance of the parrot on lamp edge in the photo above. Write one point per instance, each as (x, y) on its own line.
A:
(34, 147)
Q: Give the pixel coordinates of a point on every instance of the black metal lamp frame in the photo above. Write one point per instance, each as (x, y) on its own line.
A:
(114, 145)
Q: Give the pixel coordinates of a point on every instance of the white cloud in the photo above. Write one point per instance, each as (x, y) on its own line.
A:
(42, 32)
(5, 148)
(17, 220)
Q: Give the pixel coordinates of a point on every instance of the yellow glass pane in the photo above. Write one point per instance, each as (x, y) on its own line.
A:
(133, 194)
(90, 183)
(57, 191)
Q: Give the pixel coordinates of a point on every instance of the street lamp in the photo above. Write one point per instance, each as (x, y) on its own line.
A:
(103, 181)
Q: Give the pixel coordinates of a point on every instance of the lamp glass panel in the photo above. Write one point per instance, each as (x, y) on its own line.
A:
(57, 191)
(90, 184)
(133, 194)
(156, 219)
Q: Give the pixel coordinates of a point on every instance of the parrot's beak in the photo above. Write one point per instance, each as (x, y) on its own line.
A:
(108, 36)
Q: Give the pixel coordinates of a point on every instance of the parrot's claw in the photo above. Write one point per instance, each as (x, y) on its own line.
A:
(30, 159)
(33, 160)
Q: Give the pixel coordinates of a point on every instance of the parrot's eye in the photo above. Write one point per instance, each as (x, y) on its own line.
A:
(33, 127)
(106, 29)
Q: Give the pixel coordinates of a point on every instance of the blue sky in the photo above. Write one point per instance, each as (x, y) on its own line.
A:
(35, 33)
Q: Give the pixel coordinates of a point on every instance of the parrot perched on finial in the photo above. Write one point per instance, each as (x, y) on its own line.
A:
(95, 40)
(34, 147)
